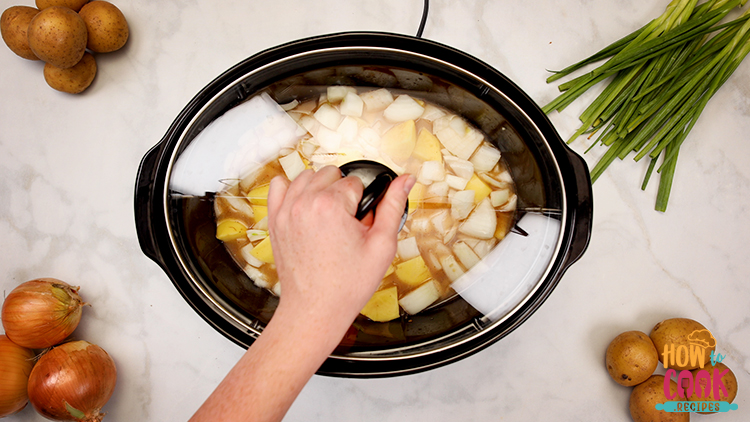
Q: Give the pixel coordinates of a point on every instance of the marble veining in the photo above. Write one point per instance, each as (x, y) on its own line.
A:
(68, 167)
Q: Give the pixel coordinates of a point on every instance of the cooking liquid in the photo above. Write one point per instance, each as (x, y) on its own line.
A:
(430, 218)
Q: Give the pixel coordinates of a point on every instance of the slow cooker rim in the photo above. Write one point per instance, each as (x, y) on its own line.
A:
(200, 100)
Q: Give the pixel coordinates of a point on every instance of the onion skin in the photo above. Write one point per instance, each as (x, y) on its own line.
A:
(15, 366)
(72, 376)
(41, 313)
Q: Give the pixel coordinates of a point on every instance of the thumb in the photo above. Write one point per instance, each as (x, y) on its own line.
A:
(390, 209)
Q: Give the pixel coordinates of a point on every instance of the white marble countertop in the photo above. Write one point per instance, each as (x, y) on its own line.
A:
(68, 166)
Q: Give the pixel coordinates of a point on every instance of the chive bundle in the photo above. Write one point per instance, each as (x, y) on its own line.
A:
(658, 81)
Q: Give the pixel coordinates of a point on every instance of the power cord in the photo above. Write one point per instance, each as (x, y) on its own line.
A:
(424, 18)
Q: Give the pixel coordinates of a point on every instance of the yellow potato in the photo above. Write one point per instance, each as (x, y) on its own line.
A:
(72, 80)
(631, 358)
(263, 251)
(70, 4)
(230, 229)
(14, 26)
(729, 380)
(382, 306)
(646, 395)
(58, 36)
(399, 141)
(673, 335)
(107, 28)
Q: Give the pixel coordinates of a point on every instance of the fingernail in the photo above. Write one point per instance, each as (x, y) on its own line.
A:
(410, 181)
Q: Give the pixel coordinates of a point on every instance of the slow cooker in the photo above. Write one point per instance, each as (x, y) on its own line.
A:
(177, 230)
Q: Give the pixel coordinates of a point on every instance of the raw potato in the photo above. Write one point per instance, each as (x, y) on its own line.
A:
(70, 4)
(72, 80)
(14, 26)
(383, 305)
(58, 36)
(729, 380)
(675, 331)
(106, 25)
(645, 396)
(631, 358)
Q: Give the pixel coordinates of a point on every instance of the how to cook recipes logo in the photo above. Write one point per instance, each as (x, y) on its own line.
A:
(706, 385)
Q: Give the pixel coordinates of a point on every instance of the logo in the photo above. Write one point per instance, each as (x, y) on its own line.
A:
(701, 384)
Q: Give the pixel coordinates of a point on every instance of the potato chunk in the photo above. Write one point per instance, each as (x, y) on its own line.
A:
(382, 306)
(413, 272)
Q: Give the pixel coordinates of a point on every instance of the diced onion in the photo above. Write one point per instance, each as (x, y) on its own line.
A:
(438, 191)
(403, 108)
(328, 116)
(248, 257)
(310, 124)
(262, 224)
(432, 113)
(455, 182)
(259, 279)
(337, 93)
(481, 223)
(431, 171)
(461, 168)
(451, 268)
(442, 222)
(377, 100)
(352, 105)
(499, 197)
(458, 145)
(485, 157)
(292, 165)
(492, 181)
(510, 205)
(329, 140)
(462, 202)
(407, 248)
(348, 129)
(465, 254)
(420, 298)
(255, 235)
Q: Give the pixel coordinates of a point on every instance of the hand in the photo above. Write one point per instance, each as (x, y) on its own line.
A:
(330, 263)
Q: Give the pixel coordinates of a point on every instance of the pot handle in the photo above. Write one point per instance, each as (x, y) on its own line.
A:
(144, 187)
(582, 210)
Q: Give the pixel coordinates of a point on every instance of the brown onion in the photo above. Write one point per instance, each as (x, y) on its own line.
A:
(41, 313)
(15, 366)
(72, 382)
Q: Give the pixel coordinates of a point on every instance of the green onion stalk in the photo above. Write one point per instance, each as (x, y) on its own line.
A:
(658, 81)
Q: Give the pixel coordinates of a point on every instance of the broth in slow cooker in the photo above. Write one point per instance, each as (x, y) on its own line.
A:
(462, 205)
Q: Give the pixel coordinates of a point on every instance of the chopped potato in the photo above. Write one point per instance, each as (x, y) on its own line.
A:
(262, 251)
(481, 190)
(382, 306)
(259, 195)
(413, 272)
(230, 229)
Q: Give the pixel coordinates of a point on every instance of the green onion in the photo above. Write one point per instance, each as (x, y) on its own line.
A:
(658, 81)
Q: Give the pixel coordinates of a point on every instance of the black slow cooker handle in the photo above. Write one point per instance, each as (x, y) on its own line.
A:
(144, 191)
(582, 209)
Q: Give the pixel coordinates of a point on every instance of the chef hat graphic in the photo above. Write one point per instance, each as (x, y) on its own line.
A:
(702, 338)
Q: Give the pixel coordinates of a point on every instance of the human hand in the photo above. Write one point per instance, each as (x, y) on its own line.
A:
(329, 263)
